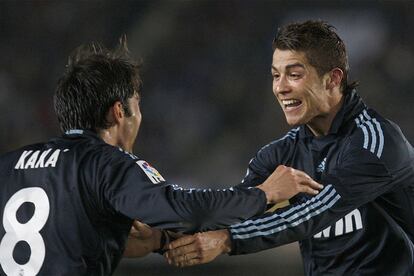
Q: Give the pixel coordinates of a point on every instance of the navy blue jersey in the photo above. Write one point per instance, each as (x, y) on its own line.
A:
(362, 222)
(67, 206)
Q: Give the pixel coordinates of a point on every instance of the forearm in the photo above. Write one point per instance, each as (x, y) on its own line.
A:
(165, 206)
(349, 190)
(213, 209)
(189, 210)
(220, 208)
(286, 225)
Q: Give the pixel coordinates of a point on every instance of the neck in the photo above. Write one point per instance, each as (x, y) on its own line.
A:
(321, 124)
(107, 136)
(110, 137)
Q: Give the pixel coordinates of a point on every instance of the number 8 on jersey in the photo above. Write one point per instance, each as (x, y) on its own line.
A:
(28, 232)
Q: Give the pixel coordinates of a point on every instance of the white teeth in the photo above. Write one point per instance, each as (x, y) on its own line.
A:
(288, 102)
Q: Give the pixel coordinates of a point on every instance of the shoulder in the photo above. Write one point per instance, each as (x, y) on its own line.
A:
(368, 132)
(105, 153)
(134, 165)
(378, 136)
(282, 143)
(27, 157)
(271, 154)
(268, 158)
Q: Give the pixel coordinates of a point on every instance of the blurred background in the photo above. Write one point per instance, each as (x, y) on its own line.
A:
(207, 102)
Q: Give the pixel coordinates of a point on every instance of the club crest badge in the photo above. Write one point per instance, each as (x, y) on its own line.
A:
(150, 171)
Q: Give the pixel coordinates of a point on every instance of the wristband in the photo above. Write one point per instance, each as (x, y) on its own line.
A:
(165, 239)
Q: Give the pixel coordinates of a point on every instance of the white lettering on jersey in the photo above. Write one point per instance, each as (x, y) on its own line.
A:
(347, 221)
(32, 160)
(41, 161)
(53, 159)
(20, 163)
(151, 172)
(324, 233)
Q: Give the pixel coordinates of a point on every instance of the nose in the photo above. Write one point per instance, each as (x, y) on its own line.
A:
(280, 85)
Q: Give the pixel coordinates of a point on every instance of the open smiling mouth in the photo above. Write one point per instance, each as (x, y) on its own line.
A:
(291, 104)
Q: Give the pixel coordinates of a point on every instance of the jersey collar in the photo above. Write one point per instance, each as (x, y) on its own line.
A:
(81, 132)
(352, 106)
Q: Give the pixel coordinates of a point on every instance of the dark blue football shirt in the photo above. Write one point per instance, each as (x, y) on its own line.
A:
(66, 206)
(362, 222)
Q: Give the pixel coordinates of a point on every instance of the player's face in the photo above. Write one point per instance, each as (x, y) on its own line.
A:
(131, 124)
(298, 88)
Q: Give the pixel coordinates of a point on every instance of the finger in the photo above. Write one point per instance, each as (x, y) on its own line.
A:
(308, 190)
(279, 169)
(135, 225)
(175, 235)
(141, 230)
(316, 185)
(139, 225)
(302, 174)
(179, 251)
(183, 258)
(312, 183)
(190, 263)
(134, 233)
(181, 242)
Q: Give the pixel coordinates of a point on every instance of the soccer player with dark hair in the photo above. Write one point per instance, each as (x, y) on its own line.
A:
(362, 222)
(67, 205)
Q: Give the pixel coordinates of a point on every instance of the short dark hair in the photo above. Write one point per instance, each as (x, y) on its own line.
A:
(322, 46)
(95, 78)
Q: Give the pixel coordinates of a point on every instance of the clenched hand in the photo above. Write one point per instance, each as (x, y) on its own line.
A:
(286, 182)
(142, 240)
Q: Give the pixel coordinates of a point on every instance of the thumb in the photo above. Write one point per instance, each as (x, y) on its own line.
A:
(141, 230)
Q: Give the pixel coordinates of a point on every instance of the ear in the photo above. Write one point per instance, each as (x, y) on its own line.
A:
(334, 79)
(116, 113)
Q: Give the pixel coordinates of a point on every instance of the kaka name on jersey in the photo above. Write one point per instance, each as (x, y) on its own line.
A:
(37, 159)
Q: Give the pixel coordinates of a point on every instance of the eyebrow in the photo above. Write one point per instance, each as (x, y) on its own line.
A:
(289, 66)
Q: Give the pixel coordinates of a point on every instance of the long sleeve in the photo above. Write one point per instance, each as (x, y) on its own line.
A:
(129, 189)
(362, 174)
(345, 189)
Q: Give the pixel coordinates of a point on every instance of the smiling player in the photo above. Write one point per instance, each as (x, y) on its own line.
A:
(362, 222)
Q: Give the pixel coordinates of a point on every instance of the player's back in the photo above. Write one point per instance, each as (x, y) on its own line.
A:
(51, 223)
